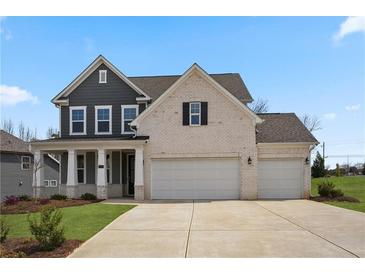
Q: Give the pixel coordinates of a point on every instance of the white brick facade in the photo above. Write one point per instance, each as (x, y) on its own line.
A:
(230, 132)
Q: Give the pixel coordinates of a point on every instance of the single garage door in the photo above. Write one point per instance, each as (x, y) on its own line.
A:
(280, 179)
(210, 178)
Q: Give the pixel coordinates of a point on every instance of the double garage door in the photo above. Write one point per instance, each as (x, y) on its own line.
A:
(219, 178)
(198, 178)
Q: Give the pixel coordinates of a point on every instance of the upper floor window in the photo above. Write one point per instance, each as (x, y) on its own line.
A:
(103, 119)
(25, 162)
(129, 113)
(102, 76)
(77, 120)
(194, 113)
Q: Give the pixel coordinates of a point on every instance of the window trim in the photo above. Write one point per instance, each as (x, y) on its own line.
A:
(106, 74)
(22, 162)
(84, 168)
(195, 114)
(122, 114)
(110, 119)
(85, 119)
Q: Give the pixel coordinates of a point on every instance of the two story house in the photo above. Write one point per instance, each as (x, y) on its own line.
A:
(188, 136)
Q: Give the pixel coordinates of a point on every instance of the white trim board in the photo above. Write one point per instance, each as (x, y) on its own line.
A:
(205, 75)
(90, 69)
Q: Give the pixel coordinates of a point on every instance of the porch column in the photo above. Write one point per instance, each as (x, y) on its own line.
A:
(38, 174)
(138, 174)
(101, 186)
(71, 185)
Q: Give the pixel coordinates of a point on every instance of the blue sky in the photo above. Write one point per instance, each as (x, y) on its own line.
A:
(313, 65)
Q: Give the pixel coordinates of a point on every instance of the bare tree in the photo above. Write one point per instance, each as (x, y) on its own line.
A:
(8, 126)
(37, 165)
(312, 123)
(52, 132)
(21, 131)
(260, 106)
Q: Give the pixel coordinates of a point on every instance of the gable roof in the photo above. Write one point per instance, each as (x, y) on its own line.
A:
(10, 143)
(193, 68)
(155, 86)
(60, 97)
(282, 128)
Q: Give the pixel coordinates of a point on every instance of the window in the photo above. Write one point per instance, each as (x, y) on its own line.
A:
(53, 183)
(46, 183)
(103, 119)
(25, 162)
(81, 174)
(194, 113)
(77, 120)
(102, 76)
(129, 113)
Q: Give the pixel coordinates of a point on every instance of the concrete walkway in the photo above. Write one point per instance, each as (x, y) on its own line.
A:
(293, 228)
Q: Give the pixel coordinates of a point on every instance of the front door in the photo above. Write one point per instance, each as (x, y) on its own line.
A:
(131, 174)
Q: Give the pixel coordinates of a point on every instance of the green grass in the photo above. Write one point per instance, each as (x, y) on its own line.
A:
(351, 185)
(80, 222)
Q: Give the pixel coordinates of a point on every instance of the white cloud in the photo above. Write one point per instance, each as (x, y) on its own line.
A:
(353, 107)
(330, 116)
(11, 96)
(350, 25)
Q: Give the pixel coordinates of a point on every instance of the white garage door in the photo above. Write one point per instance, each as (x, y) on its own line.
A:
(280, 179)
(211, 178)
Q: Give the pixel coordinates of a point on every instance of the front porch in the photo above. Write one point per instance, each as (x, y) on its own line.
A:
(106, 168)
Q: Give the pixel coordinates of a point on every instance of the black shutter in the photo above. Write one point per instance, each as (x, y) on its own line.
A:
(204, 113)
(185, 117)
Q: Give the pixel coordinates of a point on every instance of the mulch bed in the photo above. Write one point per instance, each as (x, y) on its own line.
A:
(338, 199)
(36, 205)
(29, 248)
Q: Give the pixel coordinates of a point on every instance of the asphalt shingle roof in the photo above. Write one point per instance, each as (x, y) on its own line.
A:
(10, 143)
(155, 86)
(282, 128)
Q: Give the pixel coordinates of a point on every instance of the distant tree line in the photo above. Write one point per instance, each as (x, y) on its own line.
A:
(23, 132)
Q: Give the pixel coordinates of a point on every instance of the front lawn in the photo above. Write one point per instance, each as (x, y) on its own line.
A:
(80, 222)
(351, 185)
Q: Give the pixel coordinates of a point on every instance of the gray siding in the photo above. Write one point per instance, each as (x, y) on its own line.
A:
(51, 169)
(90, 93)
(12, 175)
(90, 167)
(115, 167)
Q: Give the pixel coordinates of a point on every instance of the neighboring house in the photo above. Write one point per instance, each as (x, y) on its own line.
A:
(187, 136)
(16, 167)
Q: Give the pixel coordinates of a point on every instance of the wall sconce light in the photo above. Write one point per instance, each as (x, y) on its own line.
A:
(249, 160)
(307, 161)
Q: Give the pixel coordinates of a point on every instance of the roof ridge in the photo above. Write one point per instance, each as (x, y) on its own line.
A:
(178, 75)
(275, 113)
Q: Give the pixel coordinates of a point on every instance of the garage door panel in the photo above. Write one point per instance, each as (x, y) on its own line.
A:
(195, 179)
(280, 179)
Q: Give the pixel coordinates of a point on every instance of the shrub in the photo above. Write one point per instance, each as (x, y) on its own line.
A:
(47, 231)
(24, 197)
(4, 230)
(325, 188)
(334, 193)
(11, 200)
(58, 197)
(88, 196)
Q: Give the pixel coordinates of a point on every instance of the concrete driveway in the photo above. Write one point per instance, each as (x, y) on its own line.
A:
(293, 228)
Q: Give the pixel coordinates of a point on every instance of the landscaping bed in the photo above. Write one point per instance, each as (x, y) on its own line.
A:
(22, 207)
(29, 248)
